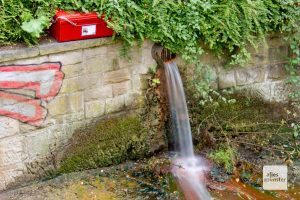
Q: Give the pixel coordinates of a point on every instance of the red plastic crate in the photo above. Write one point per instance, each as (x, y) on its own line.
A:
(71, 25)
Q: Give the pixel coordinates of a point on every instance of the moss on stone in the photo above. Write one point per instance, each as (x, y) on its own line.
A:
(256, 121)
(106, 143)
(247, 114)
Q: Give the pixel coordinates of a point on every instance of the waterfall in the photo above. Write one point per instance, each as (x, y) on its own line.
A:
(187, 168)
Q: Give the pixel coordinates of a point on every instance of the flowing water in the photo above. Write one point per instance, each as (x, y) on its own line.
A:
(188, 168)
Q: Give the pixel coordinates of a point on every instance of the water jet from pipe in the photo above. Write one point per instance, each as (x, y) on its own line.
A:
(189, 170)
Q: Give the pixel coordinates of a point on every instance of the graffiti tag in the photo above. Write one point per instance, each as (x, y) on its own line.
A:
(44, 80)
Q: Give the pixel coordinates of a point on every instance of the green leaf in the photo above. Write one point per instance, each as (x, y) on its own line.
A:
(35, 27)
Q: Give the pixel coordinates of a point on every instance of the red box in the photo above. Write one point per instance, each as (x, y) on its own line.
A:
(71, 25)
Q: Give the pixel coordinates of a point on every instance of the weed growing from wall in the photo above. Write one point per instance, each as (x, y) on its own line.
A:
(293, 68)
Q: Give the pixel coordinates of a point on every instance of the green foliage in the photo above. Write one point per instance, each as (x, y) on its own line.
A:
(202, 85)
(293, 68)
(296, 129)
(185, 27)
(188, 27)
(35, 27)
(23, 20)
(262, 128)
(224, 156)
(152, 69)
(155, 82)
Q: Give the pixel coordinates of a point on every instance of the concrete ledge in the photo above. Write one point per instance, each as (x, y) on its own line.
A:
(49, 46)
(8, 54)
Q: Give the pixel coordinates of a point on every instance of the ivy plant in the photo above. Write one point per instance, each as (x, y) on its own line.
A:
(188, 27)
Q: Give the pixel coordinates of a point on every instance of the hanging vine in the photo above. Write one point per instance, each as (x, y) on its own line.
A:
(188, 27)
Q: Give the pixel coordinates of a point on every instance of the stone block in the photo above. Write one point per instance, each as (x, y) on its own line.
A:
(66, 104)
(28, 61)
(275, 40)
(17, 52)
(71, 85)
(117, 76)
(227, 79)
(208, 58)
(73, 70)
(8, 127)
(145, 81)
(76, 102)
(136, 83)
(68, 129)
(115, 64)
(262, 48)
(142, 69)
(11, 150)
(135, 58)
(95, 52)
(51, 46)
(70, 118)
(269, 91)
(113, 51)
(134, 100)
(146, 64)
(98, 93)
(277, 72)
(147, 58)
(100, 63)
(250, 75)
(121, 88)
(39, 143)
(67, 58)
(94, 109)
(147, 44)
(26, 128)
(98, 42)
(115, 104)
(258, 58)
(278, 54)
(94, 80)
(58, 106)
(9, 174)
(125, 62)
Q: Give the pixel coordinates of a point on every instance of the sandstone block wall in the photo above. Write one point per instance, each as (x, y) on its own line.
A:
(263, 76)
(49, 91)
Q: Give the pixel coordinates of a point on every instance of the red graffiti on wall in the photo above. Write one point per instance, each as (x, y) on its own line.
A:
(44, 80)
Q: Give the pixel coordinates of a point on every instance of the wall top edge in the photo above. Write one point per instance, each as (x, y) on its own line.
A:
(49, 46)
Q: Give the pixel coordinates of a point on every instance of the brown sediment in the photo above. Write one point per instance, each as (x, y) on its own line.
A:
(235, 190)
(162, 96)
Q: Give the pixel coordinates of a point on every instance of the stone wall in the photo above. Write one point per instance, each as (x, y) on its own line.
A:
(263, 76)
(49, 91)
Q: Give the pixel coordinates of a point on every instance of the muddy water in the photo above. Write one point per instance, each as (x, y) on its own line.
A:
(236, 190)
